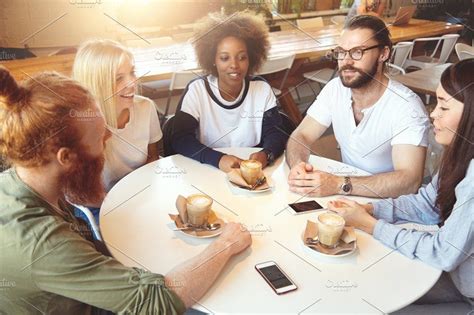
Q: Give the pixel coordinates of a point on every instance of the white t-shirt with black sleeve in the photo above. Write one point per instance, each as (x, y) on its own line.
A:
(398, 117)
(205, 120)
(127, 148)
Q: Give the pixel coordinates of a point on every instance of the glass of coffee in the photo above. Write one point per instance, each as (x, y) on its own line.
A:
(251, 171)
(198, 207)
(330, 228)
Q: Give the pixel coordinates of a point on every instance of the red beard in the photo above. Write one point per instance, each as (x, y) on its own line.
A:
(83, 184)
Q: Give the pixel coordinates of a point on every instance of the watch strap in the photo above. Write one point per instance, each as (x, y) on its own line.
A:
(270, 156)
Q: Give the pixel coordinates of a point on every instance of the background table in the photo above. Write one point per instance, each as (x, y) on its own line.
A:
(137, 230)
(154, 63)
(158, 63)
(424, 81)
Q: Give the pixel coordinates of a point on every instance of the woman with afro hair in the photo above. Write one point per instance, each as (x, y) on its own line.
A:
(228, 107)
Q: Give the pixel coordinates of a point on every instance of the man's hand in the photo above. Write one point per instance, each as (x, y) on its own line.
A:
(259, 156)
(304, 180)
(200, 272)
(300, 169)
(228, 162)
(354, 214)
(236, 237)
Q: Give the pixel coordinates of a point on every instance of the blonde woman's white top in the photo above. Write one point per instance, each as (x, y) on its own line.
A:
(127, 148)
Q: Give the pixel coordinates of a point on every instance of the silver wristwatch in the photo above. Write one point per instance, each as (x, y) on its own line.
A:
(346, 188)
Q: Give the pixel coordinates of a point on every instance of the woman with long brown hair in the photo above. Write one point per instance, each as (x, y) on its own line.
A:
(447, 201)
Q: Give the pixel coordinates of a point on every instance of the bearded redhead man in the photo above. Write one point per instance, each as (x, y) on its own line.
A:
(48, 254)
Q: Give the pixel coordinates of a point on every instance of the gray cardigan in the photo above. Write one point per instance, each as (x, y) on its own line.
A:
(451, 248)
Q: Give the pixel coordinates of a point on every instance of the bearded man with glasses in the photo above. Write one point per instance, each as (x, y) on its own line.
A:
(380, 125)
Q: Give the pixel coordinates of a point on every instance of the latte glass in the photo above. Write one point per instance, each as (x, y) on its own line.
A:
(330, 228)
(198, 207)
(251, 171)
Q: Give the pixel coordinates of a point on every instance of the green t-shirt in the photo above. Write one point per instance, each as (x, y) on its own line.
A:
(48, 267)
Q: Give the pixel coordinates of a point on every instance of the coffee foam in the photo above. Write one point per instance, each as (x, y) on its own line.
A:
(199, 200)
(331, 219)
(252, 164)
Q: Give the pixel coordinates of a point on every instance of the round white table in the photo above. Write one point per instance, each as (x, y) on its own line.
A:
(137, 230)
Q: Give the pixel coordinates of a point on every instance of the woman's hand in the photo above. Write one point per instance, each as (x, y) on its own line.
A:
(228, 162)
(355, 214)
(259, 156)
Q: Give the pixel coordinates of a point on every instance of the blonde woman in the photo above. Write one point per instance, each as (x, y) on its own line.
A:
(107, 69)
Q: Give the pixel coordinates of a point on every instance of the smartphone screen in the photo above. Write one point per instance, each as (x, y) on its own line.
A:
(279, 282)
(301, 207)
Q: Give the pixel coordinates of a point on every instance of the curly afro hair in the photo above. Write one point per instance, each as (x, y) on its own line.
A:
(243, 25)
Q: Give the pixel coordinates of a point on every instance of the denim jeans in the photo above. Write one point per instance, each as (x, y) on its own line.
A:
(443, 299)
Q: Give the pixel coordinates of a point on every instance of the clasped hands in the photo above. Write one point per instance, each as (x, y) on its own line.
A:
(305, 180)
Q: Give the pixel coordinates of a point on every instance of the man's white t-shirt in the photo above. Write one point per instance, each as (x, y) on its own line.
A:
(398, 117)
(127, 148)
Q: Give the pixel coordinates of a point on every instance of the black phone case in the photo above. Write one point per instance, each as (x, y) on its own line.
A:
(301, 207)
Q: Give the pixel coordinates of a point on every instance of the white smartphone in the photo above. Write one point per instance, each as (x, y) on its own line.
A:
(275, 277)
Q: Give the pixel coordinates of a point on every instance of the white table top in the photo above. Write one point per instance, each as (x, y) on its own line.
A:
(138, 232)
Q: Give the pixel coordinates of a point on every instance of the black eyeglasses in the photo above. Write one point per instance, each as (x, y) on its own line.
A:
(355, 53)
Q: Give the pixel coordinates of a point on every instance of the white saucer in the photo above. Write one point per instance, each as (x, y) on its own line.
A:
(206, 234)
(314, 251)
(255, 191)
